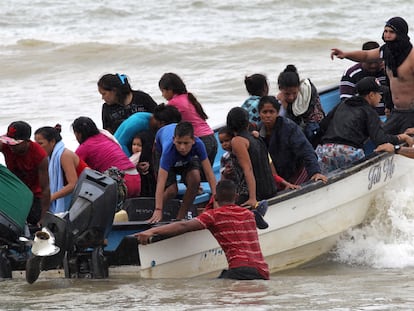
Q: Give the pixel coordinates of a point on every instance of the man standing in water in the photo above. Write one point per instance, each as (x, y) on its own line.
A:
(398, 55)
(234, 228)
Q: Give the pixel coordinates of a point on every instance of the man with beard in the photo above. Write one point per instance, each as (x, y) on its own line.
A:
(398, 56)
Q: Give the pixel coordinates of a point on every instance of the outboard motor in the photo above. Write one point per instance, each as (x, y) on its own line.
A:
(15, 203)
(80, 233)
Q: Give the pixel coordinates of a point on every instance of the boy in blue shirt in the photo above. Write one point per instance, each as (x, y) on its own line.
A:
(184, 154)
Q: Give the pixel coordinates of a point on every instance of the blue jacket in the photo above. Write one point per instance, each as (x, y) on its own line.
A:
(290, 150)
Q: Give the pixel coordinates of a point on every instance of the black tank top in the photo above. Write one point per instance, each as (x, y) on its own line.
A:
(265, 183)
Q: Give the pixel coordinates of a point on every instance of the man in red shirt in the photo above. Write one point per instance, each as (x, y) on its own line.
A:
(234, 228)
(28, 161)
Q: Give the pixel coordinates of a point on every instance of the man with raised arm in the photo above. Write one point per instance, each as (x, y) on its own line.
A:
(398, 55)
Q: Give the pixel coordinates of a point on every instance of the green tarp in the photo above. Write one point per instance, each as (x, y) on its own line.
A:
(15, 197)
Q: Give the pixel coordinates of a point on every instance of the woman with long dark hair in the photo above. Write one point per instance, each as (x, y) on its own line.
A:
(101, 153)
(121, 100)
(64, 167)
(174, 90)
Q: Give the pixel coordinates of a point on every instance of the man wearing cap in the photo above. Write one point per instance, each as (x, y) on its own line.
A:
(398, 55)
(349, 124)
(28, 161)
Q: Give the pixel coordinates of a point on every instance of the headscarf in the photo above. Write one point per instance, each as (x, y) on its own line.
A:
(396, 51)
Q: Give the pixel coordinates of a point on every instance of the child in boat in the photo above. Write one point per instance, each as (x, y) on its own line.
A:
(256, 86)
(182, 153)
(174, 90)
(234, 228)
(227, 168)
(141, 147)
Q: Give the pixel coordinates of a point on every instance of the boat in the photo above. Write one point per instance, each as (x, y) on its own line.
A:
(298, 231)
(303, 223)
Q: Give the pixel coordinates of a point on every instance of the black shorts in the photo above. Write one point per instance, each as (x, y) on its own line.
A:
(241, 273)
(194, 164)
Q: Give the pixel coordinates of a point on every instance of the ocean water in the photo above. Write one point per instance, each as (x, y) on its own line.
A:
(53, 52)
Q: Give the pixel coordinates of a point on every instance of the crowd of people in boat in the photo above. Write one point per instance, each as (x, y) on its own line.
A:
(272, 143)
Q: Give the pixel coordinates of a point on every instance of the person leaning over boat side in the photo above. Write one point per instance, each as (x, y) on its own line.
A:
(370, 68)
(398, 55)
(28, 161)
(121, 101)
(64, 167)
(256, 86)
(126, 131)
(301, 102)
(348, 126)
(174, 90)
(101, 153)
(234, 228)
(181, 154)
(292, 154)
(251, 155)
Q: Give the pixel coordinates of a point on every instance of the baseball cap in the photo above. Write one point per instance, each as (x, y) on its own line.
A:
(17, 132)
(367, 85)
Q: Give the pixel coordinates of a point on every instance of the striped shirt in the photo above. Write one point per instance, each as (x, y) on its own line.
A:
(354, 74)
(234, 228)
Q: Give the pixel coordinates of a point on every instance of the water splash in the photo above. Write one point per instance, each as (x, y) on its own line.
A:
(386, 239)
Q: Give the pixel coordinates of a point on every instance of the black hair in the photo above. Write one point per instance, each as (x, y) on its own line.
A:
(225, 130)
(20, 130)
(85, 127)
(288, 77)
(184, 129)
(147, 141)
(166, 114)
(256, 84)
(225, 191)
(269, 100)
(118, 83)
(50, 133)
(171, 81)
(237, 119)
(370, 45)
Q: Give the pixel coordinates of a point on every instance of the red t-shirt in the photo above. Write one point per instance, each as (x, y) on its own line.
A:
(26, 166)
(234, 227)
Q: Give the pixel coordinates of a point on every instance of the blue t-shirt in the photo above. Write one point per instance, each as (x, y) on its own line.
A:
(170, 157)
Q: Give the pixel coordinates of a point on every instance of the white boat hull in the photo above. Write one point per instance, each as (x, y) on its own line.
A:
(303, 224)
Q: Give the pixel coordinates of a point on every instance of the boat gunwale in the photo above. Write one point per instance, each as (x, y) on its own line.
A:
(333, 177)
